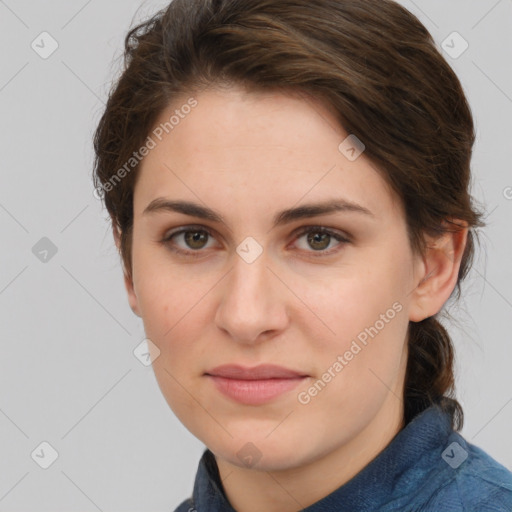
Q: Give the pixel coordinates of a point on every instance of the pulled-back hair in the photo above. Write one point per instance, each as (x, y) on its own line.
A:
(378, 69)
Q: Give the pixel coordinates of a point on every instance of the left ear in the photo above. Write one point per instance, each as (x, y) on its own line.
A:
(438, 271)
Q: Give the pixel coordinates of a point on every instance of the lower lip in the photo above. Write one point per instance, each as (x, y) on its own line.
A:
(254, 392)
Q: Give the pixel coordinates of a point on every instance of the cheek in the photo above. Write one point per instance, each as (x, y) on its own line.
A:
(358, 368)
(344, 303)
(174, 316)
(167, 301)
(365, 310)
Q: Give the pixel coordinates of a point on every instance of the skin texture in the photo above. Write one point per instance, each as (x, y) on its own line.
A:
(249, 155)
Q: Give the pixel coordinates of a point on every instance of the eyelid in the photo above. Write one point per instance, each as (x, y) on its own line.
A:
(322, 228)
(190, 227)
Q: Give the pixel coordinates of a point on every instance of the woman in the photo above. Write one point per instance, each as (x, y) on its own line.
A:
(288, 183)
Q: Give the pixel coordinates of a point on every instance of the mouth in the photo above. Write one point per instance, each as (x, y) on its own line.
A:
(254, 386)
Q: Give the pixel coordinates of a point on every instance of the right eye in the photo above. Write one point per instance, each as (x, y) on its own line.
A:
(195, 238)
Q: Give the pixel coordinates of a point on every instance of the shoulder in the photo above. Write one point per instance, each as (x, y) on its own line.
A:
(473, 480)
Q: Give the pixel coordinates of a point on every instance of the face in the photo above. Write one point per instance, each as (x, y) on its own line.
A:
(324, 293)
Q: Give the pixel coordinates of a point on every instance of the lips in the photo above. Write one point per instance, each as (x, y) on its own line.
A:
(254, 386)
(261, 372)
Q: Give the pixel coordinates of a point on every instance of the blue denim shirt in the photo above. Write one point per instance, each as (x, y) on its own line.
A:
(426, 467)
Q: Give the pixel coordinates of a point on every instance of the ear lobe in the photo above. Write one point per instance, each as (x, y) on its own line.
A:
(439, 273)
(132, 296)
(128, 279)
(117, 235)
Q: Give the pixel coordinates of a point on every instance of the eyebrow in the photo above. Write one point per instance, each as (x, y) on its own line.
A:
(283, 217)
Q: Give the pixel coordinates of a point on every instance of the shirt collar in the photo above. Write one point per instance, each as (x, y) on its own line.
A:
(394, 472)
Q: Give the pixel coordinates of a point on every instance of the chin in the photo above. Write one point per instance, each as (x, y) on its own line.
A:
(258, 453)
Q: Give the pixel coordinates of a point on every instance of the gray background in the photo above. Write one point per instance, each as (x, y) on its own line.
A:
(68, 375)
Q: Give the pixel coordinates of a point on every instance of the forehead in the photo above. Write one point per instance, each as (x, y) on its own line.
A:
(239, 146)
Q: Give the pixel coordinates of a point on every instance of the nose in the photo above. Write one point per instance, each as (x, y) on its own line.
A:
(253, 303)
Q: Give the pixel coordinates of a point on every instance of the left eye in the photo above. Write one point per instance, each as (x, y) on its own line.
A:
(318, 238)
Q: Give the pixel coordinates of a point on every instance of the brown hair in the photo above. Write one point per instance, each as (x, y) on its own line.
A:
(378, 68)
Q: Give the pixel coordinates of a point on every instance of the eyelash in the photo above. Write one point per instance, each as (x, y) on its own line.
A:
(302, 231)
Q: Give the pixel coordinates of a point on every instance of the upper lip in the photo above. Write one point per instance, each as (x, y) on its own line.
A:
(263, 371)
